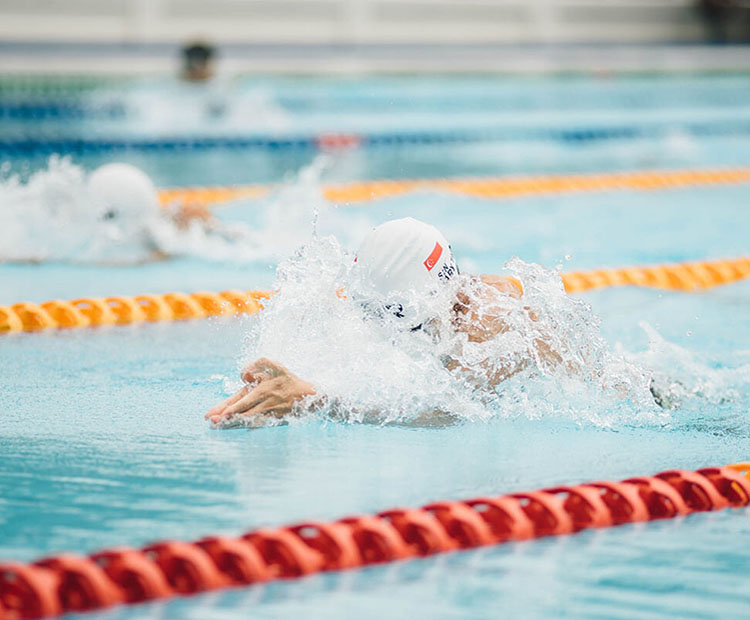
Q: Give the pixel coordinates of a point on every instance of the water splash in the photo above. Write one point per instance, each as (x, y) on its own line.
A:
(687, 378)
(49, 217)
(53, 217)
(369, 369)
(178, 108)
(290, 217)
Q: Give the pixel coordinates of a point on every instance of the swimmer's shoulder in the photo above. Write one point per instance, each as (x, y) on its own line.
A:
(509, 286)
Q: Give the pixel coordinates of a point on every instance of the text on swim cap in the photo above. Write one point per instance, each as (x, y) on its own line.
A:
(434, 256)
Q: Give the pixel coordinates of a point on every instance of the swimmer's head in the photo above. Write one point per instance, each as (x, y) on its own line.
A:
(403, 268)
(197, 58)
(126, 204)
(122, 193)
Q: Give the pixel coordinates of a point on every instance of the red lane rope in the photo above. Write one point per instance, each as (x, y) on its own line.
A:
(72, 583)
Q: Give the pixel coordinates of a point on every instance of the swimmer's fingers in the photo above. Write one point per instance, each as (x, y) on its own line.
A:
(217, 409)
(254, 421)
(243, 405)
(244, 410)
(275, 396)
(279, 396)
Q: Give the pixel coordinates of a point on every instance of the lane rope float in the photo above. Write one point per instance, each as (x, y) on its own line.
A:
(123, 310)
(489, 187)
(688, 277)
(69, 583)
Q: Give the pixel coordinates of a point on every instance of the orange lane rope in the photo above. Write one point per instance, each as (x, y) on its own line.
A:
(121, 310)
(490, 187)
(678, 277)
(69, 583)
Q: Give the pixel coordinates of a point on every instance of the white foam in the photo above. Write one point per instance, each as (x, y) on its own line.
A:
(688, 378)
(370, 369)
(177, 107)
(53, 217)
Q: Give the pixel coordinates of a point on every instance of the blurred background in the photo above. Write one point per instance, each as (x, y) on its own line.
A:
(357, 35)
(237, 92)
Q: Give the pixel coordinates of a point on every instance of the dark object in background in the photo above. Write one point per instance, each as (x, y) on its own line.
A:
(717, 16)
(198, 61)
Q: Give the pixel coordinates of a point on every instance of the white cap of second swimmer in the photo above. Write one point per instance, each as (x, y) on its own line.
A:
(123, 193)
(405, 263)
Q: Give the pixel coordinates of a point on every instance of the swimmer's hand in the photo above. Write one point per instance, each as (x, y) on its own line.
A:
(271, 394)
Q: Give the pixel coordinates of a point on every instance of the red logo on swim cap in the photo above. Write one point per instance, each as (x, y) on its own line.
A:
(434, 256)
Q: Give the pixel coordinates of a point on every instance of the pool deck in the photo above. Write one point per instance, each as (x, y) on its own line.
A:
(156, 58)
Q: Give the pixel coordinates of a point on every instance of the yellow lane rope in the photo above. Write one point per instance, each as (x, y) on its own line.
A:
(490, 187)
(121, 310)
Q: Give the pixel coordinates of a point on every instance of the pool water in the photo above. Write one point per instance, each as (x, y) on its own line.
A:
(102, 435)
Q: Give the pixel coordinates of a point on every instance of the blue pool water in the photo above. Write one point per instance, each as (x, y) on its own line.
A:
(102, 436)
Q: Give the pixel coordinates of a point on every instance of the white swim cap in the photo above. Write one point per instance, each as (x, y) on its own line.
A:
(123, 193)
(403, 266)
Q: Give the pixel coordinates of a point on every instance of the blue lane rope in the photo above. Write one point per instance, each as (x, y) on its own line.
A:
(55, 144)
(31, 146)
(34, 111)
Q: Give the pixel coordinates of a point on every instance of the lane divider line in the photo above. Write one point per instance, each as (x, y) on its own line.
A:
(489, 187)
(123, 310)
(70, 583)
(45, 142)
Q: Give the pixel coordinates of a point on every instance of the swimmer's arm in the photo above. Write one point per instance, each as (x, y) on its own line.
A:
(272, 392)
(483, 326)
(486, 374)
(509, 286)
(512, 287)
(184, 213)
(480, 312)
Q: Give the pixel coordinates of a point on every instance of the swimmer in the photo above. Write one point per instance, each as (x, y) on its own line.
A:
(109, 216)
(404, 270)
(197, 62)
(126, 204)
(198, 72)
